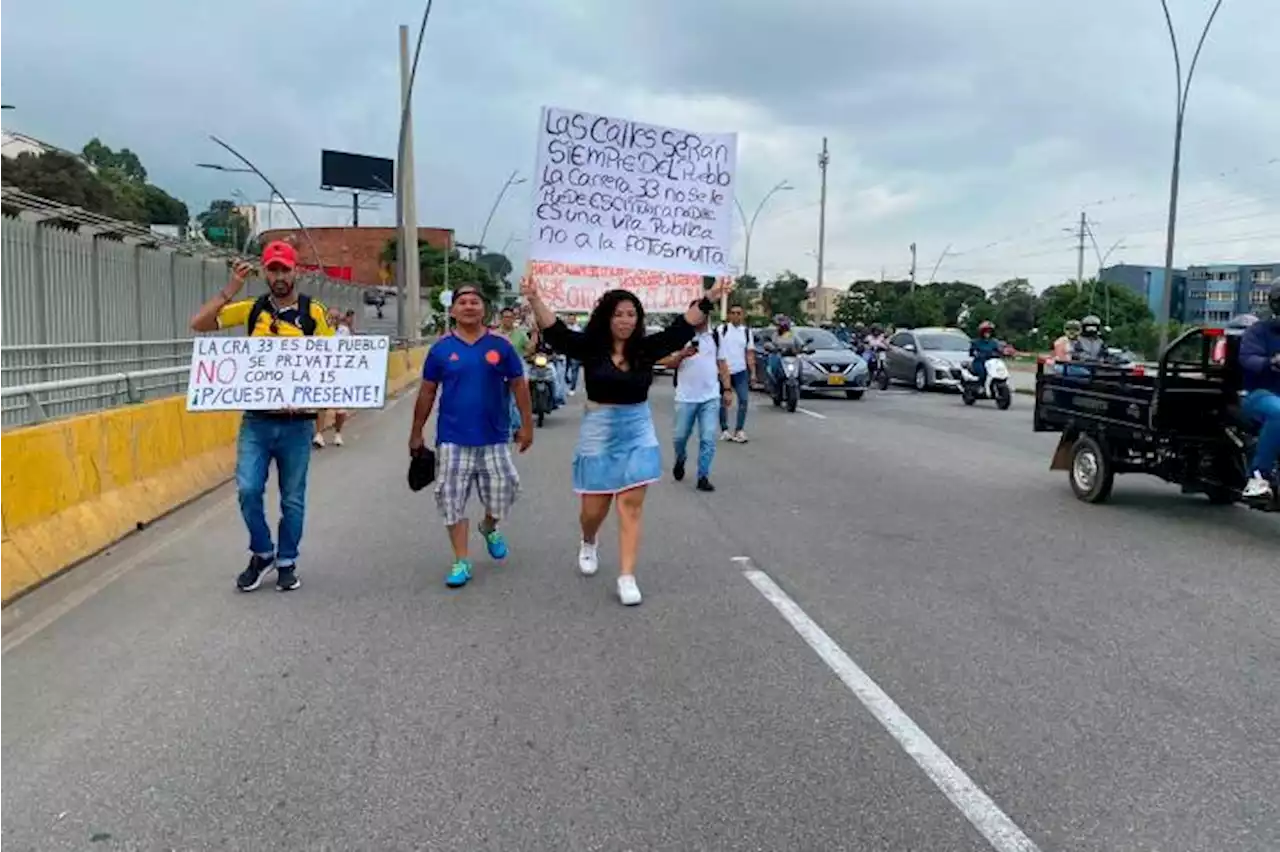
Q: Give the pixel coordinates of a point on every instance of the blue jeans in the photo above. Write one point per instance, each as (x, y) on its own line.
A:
(706, 416)
(741, 387)
(1264, 406)
(559, 391)
(571, 373)
(288, 443)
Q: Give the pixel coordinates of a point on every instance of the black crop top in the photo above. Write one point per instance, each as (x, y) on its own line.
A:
(605, 382)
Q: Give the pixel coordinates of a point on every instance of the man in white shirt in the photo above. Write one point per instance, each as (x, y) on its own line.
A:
(737, 347)
(342, 325)
(702, 386)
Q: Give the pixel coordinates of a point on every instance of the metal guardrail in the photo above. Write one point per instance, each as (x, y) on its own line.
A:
(132, 389)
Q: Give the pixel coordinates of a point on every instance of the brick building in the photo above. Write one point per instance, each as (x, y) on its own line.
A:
(355, 252)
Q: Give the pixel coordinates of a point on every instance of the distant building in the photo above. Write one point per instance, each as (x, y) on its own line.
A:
(1148, 283)
(1201, 294)
(353, 254)
(821, 302)
(12, 144)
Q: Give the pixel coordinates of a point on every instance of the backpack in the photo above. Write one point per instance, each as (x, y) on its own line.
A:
(306, 322)
(751, 340)
(675, 374)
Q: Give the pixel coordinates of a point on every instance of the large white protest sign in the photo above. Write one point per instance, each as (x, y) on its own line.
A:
(273, 373)
(613, 192)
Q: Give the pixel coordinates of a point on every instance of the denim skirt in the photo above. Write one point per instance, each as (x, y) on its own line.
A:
(617, 449)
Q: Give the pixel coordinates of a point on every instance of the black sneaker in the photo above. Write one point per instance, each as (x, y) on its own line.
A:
(287, 578)
(678, 471)
(251, 577)
(704, 484)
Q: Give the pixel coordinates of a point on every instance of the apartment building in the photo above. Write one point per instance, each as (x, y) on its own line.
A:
(1219, 292)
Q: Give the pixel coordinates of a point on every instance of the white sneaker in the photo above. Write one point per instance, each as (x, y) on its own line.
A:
(588, 558)
(726, 435)
(318, 441)
(1257, 487)
(740, 437)
(628, 591)
(337, 439)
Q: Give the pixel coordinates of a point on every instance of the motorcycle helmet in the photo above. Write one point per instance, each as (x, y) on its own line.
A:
(782, 321)
(1072, 329)
(986, 328)
(1090, 326)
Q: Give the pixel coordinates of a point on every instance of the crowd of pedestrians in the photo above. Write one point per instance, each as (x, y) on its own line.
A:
(473, 378)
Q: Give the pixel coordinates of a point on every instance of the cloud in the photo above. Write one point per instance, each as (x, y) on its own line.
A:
(983, 126)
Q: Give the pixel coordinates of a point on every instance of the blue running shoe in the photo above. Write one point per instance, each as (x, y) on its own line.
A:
(496, 542)
(458, 575)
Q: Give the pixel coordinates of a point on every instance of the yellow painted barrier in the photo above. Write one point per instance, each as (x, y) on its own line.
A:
(74, 487)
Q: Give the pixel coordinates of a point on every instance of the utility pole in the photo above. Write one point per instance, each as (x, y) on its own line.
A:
(355, 209)
(913, 267)
(823, 160)
(410, 326)
(1080, 253)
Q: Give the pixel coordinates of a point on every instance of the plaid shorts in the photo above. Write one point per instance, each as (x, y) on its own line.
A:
(490, 470)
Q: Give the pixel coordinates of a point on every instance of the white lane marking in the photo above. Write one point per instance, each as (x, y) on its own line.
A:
(42, 620)
(1000, 831)
(812, 413)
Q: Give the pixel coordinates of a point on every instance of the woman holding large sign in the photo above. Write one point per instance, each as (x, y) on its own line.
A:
(618, 455)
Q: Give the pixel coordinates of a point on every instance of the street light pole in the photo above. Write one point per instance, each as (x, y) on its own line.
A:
(823, 160)
(1183, 88)
(409, 291)
(748, 226)
(513, 180)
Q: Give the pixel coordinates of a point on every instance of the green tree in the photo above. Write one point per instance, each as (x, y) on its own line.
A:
(786, 294)
(223, 225)
(857, 307)
(59, 177)
(916, 310)
(1015, 308)
(956, 297)
(123, 163)
(436, 267)
(499, 266)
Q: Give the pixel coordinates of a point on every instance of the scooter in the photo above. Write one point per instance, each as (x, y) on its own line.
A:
(995, 387)
(542, 381)
(879, 372)
(787, 392)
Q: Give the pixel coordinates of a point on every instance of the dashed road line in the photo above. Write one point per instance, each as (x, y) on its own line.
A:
(983, 813)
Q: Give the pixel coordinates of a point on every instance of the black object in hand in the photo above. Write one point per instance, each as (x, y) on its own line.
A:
(422, 468)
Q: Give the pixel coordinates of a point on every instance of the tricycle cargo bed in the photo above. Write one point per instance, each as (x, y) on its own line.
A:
(1185, 406)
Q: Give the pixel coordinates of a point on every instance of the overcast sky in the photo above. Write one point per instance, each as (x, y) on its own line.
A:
(983, 125)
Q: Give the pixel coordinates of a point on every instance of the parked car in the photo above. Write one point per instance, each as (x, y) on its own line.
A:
(826, 366)
(927, 357)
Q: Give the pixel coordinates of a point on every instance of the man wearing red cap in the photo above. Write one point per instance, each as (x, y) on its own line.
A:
(265, 436)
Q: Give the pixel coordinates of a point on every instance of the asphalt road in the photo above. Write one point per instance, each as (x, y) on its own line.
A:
(1108, 676)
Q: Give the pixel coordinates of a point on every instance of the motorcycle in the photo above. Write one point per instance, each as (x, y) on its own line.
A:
(995, 387)
(542, 382)
(787, 392)
(879, 371)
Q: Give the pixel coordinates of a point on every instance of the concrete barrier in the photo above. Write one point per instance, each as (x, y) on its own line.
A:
(74, 487)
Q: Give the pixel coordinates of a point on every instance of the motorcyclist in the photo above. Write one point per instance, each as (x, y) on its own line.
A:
(1260, 361)
(1062, 346)
(984, 348)
(785, 338)
(1089, 346)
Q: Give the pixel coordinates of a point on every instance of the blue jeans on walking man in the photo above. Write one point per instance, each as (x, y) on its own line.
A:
(706, 416)
(741, 383)
(287, 442)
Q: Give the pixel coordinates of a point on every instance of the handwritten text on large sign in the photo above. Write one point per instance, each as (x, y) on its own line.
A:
(272, 373)
(575, 288)
(619, 193)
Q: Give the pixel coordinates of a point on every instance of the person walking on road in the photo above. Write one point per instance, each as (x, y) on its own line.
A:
(702, 394)
(737, 345)
(266, 436)
(618, 455)
(519, 337)
(1260, 361)
(342, 326)
(474, 372)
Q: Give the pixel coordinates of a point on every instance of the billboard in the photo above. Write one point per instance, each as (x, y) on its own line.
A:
(341, 170)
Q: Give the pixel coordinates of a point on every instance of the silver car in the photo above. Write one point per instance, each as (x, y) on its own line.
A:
(927, 357)
(827, 365)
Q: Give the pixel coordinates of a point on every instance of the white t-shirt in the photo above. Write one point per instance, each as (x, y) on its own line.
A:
(698, 378)
(341, 331)
(733, 346)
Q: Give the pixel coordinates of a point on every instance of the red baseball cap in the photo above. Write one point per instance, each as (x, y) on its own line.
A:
(280, 252)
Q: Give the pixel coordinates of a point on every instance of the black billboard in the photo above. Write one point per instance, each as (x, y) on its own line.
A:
(340, 170)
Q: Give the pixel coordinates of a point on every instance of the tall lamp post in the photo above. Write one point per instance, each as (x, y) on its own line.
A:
(748, 225)
(408, 291)
(512, 180)
(1183, 88)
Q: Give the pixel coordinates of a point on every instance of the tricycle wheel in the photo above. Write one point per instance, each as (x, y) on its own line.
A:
(1091, 473)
